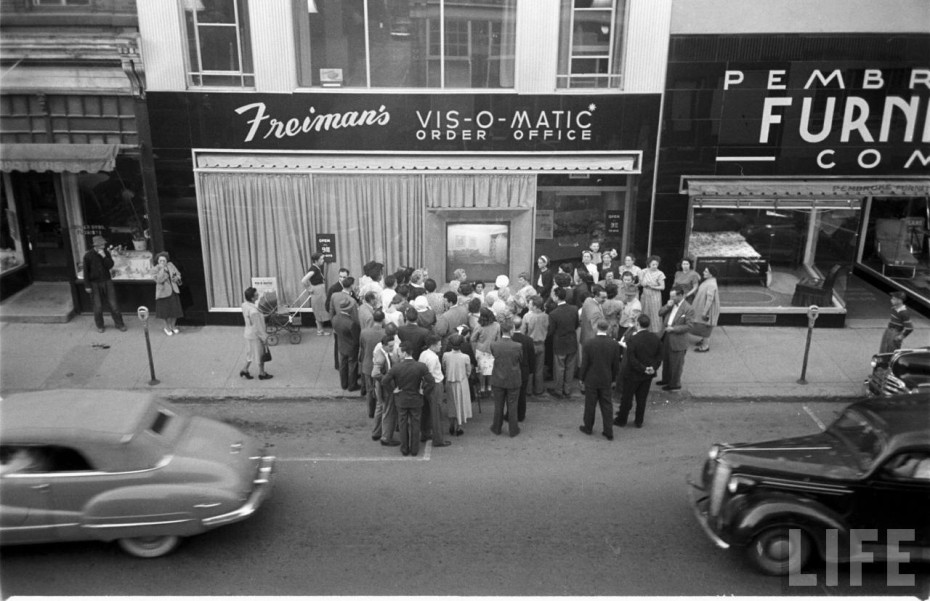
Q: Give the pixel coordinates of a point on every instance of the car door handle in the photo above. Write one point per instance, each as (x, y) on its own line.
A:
(40, 487)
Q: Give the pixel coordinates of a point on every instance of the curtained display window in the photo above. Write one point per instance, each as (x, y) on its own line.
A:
(405, 43)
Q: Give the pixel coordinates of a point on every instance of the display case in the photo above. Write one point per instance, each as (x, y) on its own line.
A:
(127, 265)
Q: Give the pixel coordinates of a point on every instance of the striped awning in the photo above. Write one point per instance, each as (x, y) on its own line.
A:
(801, 188)
(74, 158)
(374, 162)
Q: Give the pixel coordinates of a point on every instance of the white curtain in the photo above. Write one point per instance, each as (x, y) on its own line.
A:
(480, 191)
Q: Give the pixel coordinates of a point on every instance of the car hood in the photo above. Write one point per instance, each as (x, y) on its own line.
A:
(821, 455)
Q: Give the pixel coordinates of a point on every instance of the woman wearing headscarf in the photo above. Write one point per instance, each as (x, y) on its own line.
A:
(167, 293)
(543, 280)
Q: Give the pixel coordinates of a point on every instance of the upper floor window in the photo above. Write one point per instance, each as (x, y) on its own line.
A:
(591, 44)
(219, 52)
(406, 43)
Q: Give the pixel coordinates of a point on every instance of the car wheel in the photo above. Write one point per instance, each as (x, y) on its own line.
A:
(774, 552)
(149, 546)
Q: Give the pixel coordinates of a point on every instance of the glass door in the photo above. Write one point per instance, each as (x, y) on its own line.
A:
(43, 226)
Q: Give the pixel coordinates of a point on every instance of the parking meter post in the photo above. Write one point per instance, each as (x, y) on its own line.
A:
(143, 313)
(812, 312)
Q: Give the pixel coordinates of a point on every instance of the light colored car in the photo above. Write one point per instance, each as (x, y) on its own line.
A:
(124, 466)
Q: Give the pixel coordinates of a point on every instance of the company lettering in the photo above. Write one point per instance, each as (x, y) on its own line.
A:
(890, 552)
(543, 125)
(295, 126)
(846, 118)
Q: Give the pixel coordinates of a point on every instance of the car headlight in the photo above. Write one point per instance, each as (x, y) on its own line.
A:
(739, 484)
(714, 452)
(874, 363)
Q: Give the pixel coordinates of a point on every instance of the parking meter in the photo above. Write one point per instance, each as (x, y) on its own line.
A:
(143, 313)
(812, 312)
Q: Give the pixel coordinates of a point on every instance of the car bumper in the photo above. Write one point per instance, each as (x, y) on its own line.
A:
(699, 500)
(262, 489)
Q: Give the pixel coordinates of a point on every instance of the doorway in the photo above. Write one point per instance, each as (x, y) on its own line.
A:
(45, 233)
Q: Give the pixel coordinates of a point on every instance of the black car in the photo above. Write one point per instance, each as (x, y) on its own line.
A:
(899, 372)
(784, 500)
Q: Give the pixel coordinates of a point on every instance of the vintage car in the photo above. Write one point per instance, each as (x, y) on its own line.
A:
(899, 372)
(784, 500)
(125, 466)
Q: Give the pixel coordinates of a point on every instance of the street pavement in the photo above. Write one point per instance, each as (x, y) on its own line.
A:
(204, 362)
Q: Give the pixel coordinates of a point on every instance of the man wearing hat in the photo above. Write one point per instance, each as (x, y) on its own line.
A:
(348, 333)
(99, 284)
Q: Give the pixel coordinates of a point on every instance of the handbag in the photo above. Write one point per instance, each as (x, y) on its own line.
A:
(266, 354)
(700, 328)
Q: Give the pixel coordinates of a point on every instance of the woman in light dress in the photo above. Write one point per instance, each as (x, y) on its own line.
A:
(254, 334)
(457, 368)
(687, 278)
(652, 281)
(706, 308)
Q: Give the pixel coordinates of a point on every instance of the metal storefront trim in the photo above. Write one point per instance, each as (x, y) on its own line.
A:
(622, 162)
(812, 189)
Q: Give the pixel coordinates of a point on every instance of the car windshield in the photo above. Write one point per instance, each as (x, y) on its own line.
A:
(860, 436)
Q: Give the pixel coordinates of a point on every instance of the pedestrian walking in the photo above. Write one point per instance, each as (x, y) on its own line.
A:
(652, 281)
(677, 317)
(640, 364)
(506, 376)
(407, 379)
(167, 293)
(600, 366)
(899, 325)
(315, 284)
(255, 336)
(457, 368)
(706, 309)
(98, 283)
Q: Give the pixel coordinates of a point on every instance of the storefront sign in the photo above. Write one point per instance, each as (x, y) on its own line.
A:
(326, 244)
(265, 286)
(864, 118)
(614, 222)
(416, 122)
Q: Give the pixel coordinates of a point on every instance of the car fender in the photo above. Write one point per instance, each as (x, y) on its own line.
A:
(152, 510)
(811, 516)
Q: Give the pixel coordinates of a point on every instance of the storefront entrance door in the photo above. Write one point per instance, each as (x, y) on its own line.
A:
(45, 233)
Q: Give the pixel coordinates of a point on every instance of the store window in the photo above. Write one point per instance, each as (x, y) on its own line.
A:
(405, 43)
(219, 49)
(11, 245)
(111, 205)
(770, 253)
(481, 249)
(591, 40)
(573, 213)
(896, 241)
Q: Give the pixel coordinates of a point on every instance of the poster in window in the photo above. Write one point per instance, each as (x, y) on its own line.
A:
(481, 249)
(614, 223)
(326, 245)
(545, 224)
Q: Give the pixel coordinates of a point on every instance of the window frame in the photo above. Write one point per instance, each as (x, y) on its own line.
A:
(240, 23)
(575, 81)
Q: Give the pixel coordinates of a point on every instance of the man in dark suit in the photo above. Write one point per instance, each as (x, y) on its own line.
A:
(348, 333)
(600, 363)
(677, 316)
(505, 379)
(639, 366)
(407, 378)
(527, 364)
(412, 333)
(338, 290)
(563, 322)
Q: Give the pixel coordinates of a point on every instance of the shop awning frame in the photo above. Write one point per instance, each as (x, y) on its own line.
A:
(747, 188)
(581, 162)
(74, 158)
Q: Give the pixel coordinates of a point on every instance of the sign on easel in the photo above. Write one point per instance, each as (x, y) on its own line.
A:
(264, 286)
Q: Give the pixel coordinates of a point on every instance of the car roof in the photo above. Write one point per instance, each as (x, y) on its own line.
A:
(904, 416)
(56, 416)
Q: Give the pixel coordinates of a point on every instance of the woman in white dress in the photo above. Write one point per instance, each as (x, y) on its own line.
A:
(457, 367)
(653, 282)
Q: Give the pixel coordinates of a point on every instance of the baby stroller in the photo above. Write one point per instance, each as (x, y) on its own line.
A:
(282, 317)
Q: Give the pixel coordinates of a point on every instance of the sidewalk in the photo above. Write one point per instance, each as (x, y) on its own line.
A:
(745, 363)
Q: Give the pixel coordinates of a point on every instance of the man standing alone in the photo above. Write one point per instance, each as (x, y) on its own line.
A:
(99, 284)
(600, 364)
(677, 316)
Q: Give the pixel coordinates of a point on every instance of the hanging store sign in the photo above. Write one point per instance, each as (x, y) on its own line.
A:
(326, 245)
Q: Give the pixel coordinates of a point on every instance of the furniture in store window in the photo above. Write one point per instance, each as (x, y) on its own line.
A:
(736, 261)
(893, 244)
(816, 291)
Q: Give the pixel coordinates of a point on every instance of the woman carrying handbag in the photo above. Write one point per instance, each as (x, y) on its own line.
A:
(255, 336)
(167, 293)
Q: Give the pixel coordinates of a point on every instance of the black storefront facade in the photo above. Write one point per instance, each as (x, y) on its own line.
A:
(249, 184)
(787, 159)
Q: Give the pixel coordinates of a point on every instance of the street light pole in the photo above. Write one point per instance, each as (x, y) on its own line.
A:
(144, 316)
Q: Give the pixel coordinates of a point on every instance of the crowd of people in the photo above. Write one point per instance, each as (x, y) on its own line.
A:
(421, 351)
